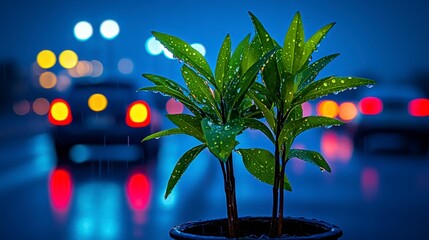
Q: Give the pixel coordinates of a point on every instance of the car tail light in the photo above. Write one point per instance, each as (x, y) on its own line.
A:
(61, 189)
(370, 106)
(419, 107)
(60, 113)
(138, 189)
(138, 114)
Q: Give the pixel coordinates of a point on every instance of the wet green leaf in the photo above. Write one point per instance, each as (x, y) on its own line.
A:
(255, 124)
(181, 167)
(221, 137)
(295, 114)
(166, 91)
(292, 129)
(189, 124)
(310, 157)
(260, 163)
(223, 62)
(237, 90)
(327, 86)
(270, 73)
(312, 44)
(164, 133)
(234, 67)
(162, 81)
(199, 89)
(253, 54)
(185, 52)
(308, 75)
(268, 113)
(293, 46)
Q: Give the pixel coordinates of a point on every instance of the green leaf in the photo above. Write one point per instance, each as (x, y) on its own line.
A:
(166, 91)
(253, 53)
(222, 62)
(185, 52)
(234, 67)
(199, 89)
(221, 138)
(286, 87)
(181, 167)
(295, 114)
(292, 129)
(188, 124)
(308, 75)
(293, 45)
(310, 157)
(255, 124)
(238, 89)
(162, 81)
(312, 44)
(259, 90)
(268, 113)
(163, 133)
(329, 85)
(260, 163)
(270, 73)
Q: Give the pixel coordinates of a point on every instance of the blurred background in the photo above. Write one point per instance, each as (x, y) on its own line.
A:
(71, 162)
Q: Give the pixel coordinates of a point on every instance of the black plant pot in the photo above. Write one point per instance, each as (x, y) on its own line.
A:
(257, 228)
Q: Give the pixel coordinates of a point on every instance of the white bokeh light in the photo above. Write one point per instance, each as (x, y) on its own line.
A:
(109, 29)
(199, 47)
(83, 31)
(153, 46)
(168, 54)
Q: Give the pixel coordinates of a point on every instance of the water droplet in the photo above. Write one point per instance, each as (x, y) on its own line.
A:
(325, 84)
(369, 86)
(328, 127)
(322, 169)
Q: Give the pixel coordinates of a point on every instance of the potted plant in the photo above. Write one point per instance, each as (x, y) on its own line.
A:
(227, 102)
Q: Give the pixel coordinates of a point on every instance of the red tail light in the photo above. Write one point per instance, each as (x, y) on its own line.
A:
(61, 189)
(138, 191)
(370, 106)
(60, 113)
(138, 114)
(419, 107)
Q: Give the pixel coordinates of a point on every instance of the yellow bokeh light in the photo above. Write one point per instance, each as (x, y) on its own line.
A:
(348, 111)
(97, 102)
(47, 80)
(68, 59)
(46, 59)
(59, 111)
(328, 108)
(138, 113)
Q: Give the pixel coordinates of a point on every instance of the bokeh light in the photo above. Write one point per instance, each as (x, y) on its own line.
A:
(83, 68)
(199, 47)
(41, 106)
(60, 190)
(22, 107)
(168, 54)
(328, 108)
(370, 106)
(419, 107)
(125, 66)
(83, 31)
(60, 112)
(307, 110)
(138, 192)
(109, 29)
(348, 111)
(153, 46)
(138, 114)
(174, 107)
(97, 68)
(68, 59)
(97, 102)
(370, 182)
(63, 83)
(47, 80)
(46, 59)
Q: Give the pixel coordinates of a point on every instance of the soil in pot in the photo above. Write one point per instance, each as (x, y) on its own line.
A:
(257, 228)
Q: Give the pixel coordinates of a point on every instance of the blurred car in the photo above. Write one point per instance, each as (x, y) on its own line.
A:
(105, 120)
(393, 118)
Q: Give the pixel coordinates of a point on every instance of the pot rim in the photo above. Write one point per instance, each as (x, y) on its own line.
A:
(331, 229)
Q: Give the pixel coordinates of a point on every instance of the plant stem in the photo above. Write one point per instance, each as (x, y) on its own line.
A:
(282, 192)
(231, 202)
(276, 179)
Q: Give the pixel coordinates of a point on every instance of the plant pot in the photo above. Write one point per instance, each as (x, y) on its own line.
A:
(257, 228)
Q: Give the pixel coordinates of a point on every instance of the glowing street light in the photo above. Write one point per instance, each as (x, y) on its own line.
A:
(109, 29)
(83, 31)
